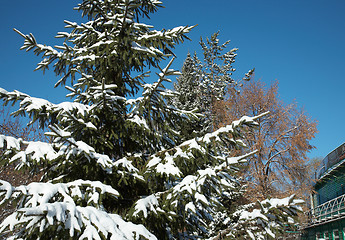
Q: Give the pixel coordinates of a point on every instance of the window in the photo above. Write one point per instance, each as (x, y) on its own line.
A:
(326, 234)
(318, 236)
(336, 235)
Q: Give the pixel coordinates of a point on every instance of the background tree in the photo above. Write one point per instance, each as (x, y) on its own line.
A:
(204, 82)
(216, 73)
(19, 127)
(189, 98)
(282, 138)
(16, 127)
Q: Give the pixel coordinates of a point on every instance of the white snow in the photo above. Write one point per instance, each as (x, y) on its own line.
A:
(3, 91)
(201, 198)
(38, 193)
(125, 163)
(39, 150)
(188, 184)
(10, 142)
(146, 205)
(95, 221)
(168, 166)
(190, 206)
(139, 121)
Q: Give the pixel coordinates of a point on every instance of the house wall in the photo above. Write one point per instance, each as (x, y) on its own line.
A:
(327, 188)
(330, 189)
(322, 230)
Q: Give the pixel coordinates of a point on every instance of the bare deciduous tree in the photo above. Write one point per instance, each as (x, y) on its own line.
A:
(282, 139)
(15, 127)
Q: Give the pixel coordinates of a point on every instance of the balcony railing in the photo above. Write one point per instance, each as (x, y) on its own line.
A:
(331, 161)
(326, 212)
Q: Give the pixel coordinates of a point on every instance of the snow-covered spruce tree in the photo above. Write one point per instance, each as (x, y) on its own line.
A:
(217, 67)
(204, 82)
(214, 72)
(189, 98)
(115, 167)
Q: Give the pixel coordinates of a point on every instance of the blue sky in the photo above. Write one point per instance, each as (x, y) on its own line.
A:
(299, 43)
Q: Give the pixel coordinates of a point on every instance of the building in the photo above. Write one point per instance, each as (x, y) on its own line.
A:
(326, 219)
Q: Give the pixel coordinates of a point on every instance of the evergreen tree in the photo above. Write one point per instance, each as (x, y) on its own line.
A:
(217, 68)
(116, 167)
(189, 98)
(208, 80)
(187, 86)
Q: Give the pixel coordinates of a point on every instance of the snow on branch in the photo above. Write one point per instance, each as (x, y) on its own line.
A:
(9, 143)
(28, 153)
(37, 193)
(157, 87)
(81, 222)
(167, 35)
(74, 148)
(47, 51)
(12, 96)
(143, 207)
(232, 128)
(191, 192)
(91, 222)
(165, 162)
(48, 204)
(41, 107)
(142, 110)
(269, 215)
(150, 50)
(124, 167)
(103, 94)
